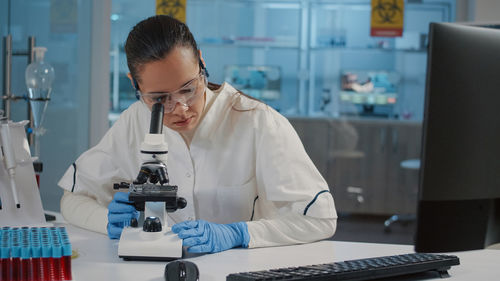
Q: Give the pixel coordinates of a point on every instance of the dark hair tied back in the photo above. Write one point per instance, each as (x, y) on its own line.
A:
(153, 38)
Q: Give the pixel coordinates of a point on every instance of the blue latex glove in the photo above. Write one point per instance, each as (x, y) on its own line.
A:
(206, 237)
(120, 212)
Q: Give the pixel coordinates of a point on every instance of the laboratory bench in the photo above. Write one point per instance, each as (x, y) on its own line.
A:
(97, 259)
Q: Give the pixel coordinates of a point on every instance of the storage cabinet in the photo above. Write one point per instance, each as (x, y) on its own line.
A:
(361, 161)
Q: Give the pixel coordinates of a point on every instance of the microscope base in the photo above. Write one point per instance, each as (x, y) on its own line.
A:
(135, 244)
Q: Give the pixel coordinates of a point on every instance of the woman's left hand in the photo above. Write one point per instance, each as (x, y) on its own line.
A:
(206, 237)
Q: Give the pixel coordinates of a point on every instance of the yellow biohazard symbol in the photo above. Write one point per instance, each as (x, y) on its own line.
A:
(173, 8)
(387, 11)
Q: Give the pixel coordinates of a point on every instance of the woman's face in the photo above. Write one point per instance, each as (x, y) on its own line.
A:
(177, 72)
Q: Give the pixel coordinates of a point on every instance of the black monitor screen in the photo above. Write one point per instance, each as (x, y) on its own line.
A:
(459, 187)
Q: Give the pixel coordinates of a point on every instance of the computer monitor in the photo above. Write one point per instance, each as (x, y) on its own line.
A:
(459, 187)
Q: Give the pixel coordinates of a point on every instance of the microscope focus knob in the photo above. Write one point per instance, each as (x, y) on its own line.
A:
(152, 224)
(181, 203)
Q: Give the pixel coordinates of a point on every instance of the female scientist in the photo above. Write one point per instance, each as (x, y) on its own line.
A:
(239, 164)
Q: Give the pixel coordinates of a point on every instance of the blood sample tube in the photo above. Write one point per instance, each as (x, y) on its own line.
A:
(36, 262)
(56, 253)
(66, 261)
(1, 257)
(16, 254)
(36, 253)
(46, 256)
(56, 260)
(26, 269)
(5, 255)
(66, 254)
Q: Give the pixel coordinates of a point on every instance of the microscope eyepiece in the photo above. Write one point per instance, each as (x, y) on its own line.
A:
(156, 125)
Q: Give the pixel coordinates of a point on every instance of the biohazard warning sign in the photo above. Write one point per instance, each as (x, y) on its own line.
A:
(173, 8)
(387, 18)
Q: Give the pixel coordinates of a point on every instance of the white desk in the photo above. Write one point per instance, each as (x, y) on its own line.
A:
(98, 259)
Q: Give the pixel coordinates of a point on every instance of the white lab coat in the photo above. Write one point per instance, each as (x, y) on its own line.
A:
(245, 163)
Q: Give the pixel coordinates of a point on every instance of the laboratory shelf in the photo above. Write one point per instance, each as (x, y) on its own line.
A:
(266, 45)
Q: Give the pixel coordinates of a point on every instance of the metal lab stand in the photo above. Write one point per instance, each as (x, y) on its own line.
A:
(7, 94)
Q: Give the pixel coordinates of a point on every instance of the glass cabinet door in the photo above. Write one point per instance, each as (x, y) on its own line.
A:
(354, 74)
(253, 45)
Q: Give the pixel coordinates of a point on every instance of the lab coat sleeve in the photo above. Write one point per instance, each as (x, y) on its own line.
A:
(294, 204)
(289, 229)
(84, 211)
(285, 174)
(88, 183)
(112, 160)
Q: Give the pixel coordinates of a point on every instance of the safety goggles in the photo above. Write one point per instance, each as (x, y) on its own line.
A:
(185, 96)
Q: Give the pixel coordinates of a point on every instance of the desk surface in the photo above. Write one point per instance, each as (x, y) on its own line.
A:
(98, 259)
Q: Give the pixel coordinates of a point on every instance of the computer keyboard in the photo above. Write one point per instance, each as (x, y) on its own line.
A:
(361, 269)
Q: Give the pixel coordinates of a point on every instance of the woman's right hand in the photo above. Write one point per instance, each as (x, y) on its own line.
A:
(120, 213)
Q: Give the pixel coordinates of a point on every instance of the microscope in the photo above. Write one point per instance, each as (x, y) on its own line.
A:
(150, 193)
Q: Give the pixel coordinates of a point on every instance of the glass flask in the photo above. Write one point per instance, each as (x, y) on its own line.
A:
(39, 78)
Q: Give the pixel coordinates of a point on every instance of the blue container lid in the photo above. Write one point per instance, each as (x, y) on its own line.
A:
(56, 251)
(6, 239)
(46, 251)
(5, 252)
(56, 239)
(16, 251)
(36, 251)
(25, 252)
(66, 250)
(16, 236)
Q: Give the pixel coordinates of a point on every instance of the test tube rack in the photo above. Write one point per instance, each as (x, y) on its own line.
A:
(35, 254)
